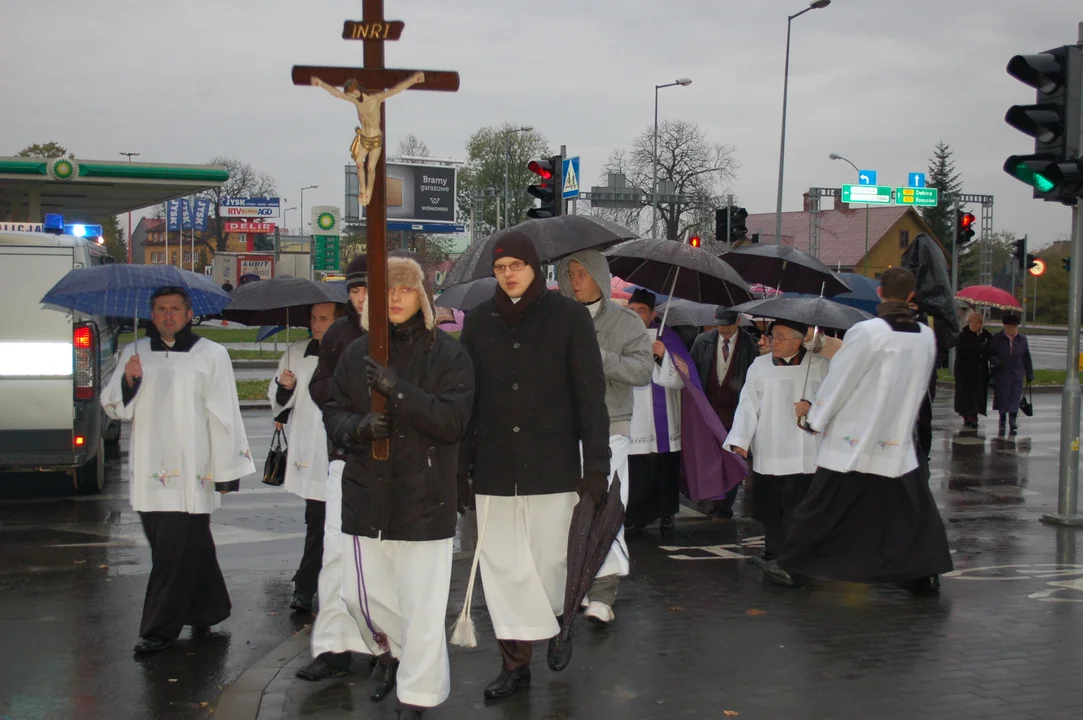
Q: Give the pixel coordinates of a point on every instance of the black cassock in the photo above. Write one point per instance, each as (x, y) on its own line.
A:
(972, 372)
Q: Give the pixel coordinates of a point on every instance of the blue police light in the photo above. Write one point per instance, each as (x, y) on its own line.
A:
(53, 223)
(83, 231)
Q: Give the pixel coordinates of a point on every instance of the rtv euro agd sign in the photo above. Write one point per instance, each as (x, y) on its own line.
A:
(249, 207)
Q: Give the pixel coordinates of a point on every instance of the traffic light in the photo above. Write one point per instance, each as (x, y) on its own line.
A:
(1055, 170)
(548, 190)
(1019, 252)
(1066, 263)
(695, 241)
(965, 232)
(737, 217)
(1032, 261)
(738, 230)
(721, 215)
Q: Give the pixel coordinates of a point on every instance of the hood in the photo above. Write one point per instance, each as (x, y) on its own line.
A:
(404, 268)
(595, 264)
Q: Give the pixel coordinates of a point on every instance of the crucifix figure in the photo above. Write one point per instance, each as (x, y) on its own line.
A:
(368, 137)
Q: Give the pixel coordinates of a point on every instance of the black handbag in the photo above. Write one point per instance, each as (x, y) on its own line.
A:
(1026, 405)
(274, 469)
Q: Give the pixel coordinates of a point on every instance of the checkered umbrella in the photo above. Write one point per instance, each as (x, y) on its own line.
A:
(125, 290)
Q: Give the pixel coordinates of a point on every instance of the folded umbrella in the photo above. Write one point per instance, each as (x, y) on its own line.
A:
(468, 295)
(282, 301)
(555, 238)
(678, 270)
(811, 311)
(786, 268)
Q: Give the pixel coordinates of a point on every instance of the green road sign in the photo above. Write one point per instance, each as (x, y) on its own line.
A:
(325, 255)
(916, 196)
(867, 194)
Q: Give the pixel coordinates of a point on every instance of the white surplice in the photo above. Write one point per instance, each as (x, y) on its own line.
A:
(617, 561)
(765, 423)
(868, 404)
(187, 431)
(643, 439)
(306, 470)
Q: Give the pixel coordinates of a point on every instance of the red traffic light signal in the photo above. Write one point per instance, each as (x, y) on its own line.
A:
(695, 241)
(967, 220)
(964, 233)
(541, 167)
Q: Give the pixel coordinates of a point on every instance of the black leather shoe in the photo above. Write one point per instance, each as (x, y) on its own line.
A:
(301, 603)
(385, 675)
(560, 650)
(777, 575)
(507, 682)
(327, 665)
(929, 585)
(149, 645)
(665, 526)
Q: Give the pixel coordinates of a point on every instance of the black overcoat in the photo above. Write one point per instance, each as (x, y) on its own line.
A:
(972, 372)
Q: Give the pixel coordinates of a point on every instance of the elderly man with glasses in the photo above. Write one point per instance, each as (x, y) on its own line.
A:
(777, 391)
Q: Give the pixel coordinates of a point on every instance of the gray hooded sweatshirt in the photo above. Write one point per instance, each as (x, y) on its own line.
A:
(626, 349)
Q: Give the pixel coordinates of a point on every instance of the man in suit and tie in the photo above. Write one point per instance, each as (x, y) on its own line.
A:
(722, 357)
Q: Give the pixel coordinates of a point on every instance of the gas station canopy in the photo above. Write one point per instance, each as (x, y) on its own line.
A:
(84, 189)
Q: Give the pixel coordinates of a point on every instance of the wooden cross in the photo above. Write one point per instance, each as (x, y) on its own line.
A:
(373, 30)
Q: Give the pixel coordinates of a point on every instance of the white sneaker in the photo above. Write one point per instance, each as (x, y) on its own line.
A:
(600, 613)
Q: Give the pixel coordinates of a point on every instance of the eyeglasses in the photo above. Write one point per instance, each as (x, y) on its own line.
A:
(515, 267)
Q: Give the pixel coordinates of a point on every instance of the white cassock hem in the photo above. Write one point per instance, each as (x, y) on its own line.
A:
(524, 562)
(334, 630)
(617, 561)
(406, 586)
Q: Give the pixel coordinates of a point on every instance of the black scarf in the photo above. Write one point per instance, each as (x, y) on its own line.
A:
(512, 312)
(898, 315)
(183, 342)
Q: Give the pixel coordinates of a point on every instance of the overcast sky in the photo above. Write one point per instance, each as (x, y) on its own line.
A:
(878, 81)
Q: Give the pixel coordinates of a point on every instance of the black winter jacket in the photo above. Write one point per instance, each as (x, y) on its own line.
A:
(335, 341)
(540, 391)
(411, 496)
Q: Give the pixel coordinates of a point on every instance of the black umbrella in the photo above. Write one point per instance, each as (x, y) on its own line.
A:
(556, 238)
(590, 536)
(811, 311)
(786, 268)
(685, 312)
(463, 269)
(468, 295)
(678, 270)
(281, 301)
(925, 258)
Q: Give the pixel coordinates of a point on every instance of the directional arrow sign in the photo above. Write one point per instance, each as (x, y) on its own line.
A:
(917, 196)
(868, 194)
(866, 177)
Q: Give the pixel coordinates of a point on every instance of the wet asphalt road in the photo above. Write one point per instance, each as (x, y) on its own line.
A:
(72, 576)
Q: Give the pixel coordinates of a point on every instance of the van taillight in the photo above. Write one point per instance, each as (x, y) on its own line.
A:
(85, 341)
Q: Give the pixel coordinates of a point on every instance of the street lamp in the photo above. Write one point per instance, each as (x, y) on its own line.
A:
(836, 156)
(507, 159)
(130, 156)
(683, 82)
(285, 224)
(814, 5)
(310, 187)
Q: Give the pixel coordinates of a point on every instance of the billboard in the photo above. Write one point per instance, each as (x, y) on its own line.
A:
(415, 193)
(325, 220)
(254, 228)
(248, 207)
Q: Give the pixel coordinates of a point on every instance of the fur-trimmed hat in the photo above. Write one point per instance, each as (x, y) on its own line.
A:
(357, 272)
(405, 268)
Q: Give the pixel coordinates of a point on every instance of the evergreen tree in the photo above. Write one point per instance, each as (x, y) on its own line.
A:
(943, 177)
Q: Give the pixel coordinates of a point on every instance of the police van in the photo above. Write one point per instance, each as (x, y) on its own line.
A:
(52, 363)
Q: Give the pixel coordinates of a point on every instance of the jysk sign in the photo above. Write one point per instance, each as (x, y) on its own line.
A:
(418, 193)
(249, 207)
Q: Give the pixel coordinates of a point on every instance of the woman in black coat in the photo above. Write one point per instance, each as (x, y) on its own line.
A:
(972, 371)
(401, 511)
(1009, 358)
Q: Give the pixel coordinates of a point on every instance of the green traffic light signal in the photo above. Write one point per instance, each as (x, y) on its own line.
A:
(1031, 170)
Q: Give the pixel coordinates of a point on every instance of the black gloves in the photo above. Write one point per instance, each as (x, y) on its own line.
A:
(381, 379)
(374, 426)
(594, 484)
(465, 495)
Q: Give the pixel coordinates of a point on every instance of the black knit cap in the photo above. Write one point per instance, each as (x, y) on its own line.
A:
(642, 296)
(515, 244)
(357, 272)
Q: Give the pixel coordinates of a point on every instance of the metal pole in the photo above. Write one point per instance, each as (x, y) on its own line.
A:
(1026, 271)
(654, 167)
(954, 268)
(729, 214)
(1034, 313)
(507, 160)
(782, 143)
(866, 239)
(473, 219)
(1070, 401)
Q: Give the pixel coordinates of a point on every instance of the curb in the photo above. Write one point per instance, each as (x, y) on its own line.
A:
(255, 404)
(242, 699)
(1036, 389)
(255, 364)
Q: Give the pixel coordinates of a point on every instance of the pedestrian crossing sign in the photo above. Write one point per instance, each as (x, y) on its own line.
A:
(571, 178)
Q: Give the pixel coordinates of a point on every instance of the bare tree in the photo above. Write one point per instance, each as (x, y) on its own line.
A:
(244, 181)
(689, 164)
(412, 146)
(487, 156)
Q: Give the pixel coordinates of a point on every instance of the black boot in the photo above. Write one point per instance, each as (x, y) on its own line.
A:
(1013, 421)
(928, 585)
(149, 645)
(327, 665)
(301, 603)
(665, 525)
(507, 682)
(560, 650)
(386, 673)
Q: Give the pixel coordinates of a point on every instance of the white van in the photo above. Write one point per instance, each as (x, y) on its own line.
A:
(52, 363)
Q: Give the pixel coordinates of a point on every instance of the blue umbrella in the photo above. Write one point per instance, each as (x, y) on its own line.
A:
(125, 290)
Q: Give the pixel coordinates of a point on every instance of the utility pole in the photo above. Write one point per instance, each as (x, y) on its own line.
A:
(130, 155)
